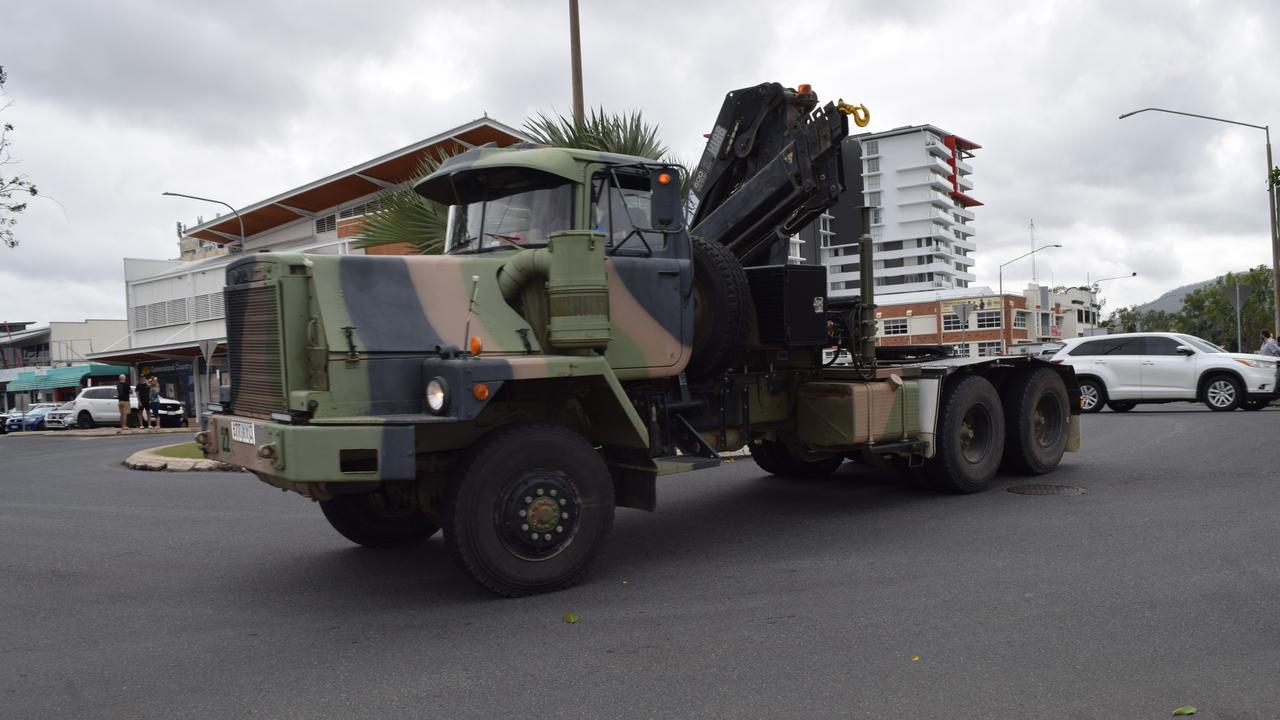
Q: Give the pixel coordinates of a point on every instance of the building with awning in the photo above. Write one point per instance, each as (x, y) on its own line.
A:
(175, 327)
(66, 377)
(26, 351)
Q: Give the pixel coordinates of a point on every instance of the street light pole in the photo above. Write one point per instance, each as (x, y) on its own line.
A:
(1271, 200)
(1004, 313)
(217, 202)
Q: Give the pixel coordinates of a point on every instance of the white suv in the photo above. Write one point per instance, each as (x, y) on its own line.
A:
(97, 406)
(1124, 370)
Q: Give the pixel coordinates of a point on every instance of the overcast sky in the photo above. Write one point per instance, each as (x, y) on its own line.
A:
(117, 102)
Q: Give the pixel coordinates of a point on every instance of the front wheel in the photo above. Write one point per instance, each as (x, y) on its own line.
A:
(378, 520)
(529, 507)
(1223, 393)
(775, 459)
(970, 439)
(1092, 395)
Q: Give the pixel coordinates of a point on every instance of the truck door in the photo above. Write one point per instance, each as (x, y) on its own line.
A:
(650, 277)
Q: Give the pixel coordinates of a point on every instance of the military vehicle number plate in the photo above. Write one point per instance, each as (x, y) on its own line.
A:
(242, 432)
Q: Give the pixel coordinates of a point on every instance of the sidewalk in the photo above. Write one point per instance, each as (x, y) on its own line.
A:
(105, 431)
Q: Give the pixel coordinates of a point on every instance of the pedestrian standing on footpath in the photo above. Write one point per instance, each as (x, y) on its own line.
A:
(144, 402)
(155, 400)
(122, 401)
(1269, 345)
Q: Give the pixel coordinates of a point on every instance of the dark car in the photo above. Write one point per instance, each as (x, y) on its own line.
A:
(32, 419)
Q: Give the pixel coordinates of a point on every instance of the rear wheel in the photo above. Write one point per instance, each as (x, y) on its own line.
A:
(970, 439)
(1036, 413)
(85, 420)
(1092, 395)
(528, 509)
(1223, 393)
(378, 520)
(774, 458)
(1121, 406)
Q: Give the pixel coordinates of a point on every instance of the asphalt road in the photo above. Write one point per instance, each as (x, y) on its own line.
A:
(126, 594)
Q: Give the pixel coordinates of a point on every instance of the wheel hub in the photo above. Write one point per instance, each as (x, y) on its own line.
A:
(975, 435)
(538, 514)
(1222, 393)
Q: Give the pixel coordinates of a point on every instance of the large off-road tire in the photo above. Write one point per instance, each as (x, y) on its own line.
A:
(528, 508)
(1037, 414)
(85, 420)
(722, 310)
(1223, 393)
(375, 520)
(1093, 395)
(1121, 405)
(774, 458)
(970, 439)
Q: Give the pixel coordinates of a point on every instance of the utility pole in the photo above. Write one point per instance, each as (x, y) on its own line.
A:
(575, 60)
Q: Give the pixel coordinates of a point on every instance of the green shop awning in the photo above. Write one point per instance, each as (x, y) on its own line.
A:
(52, 378)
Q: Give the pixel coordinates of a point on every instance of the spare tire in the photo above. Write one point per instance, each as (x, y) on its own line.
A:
(722, 310)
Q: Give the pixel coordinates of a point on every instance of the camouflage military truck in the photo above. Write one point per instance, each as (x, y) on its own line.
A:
(597, 321)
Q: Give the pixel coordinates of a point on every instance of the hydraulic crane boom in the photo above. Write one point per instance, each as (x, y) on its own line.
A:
(772, 164)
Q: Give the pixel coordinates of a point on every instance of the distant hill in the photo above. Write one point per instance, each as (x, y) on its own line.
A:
(1171, 302)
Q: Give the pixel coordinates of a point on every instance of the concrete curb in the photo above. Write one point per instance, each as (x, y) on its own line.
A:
(149, 460)
(101, 432)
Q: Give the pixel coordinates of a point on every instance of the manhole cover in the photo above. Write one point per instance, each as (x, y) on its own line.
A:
(1047, 490)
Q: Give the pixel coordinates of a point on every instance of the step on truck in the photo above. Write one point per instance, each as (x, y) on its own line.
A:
(597, 321)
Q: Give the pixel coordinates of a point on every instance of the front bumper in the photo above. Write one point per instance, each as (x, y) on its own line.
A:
(289, 455)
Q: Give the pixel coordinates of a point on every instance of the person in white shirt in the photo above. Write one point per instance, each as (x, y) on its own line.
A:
(1269, 345)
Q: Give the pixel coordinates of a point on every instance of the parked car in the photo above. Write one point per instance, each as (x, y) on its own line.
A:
(97, 406)
(4, 419)
(32, 419)
(61, 417)
(1124, 370)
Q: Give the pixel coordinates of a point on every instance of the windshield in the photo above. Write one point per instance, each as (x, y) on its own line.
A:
(522, 219)
(39, 411)
(1202, 345)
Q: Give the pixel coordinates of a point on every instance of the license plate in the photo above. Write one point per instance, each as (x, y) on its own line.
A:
(242, 432)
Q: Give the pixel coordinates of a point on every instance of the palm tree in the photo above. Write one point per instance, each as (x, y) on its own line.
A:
(406, 217)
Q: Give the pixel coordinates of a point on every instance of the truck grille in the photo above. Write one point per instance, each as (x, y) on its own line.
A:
(254, 351)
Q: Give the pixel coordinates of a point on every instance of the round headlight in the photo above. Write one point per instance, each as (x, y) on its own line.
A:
(437, 395)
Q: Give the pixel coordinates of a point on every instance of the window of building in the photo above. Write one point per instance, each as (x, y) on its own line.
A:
(951, 322)
(873, 165)
(877, 216)
(846, 268)
(873, 182)
(893, 263)
(988, 349)
(891, 245)
(960, 350)
(328, 223)
(871, 147)
(873, 199)
(988, 319)
(877, 232)
(1020, 319)
(895, 326)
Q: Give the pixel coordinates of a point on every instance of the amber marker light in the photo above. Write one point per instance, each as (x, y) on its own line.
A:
(804, 89)
(664, 178)
(480, 391)
(475, 345)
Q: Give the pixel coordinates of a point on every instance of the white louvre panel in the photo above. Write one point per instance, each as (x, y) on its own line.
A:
(362, 209)
(328, 223)
(156, 315)
(200, 308)
(176, 311)
(216, 307)
(138, 317)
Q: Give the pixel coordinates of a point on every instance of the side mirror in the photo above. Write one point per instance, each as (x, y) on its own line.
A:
(665, 208)
(1184, 350)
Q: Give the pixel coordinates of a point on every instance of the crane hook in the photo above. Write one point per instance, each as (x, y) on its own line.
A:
(861, 115)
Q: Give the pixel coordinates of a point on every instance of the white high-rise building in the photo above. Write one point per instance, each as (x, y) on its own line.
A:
(916, 181)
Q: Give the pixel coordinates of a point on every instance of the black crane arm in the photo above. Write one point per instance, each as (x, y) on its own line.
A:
(772, 164)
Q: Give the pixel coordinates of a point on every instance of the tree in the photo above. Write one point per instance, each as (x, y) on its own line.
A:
(406, 217)
(1208, 313)
(17, 185)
